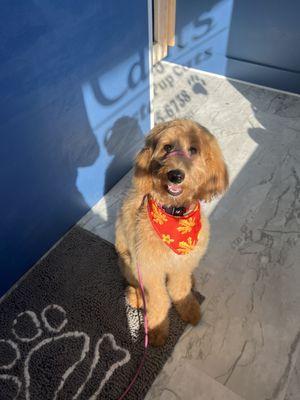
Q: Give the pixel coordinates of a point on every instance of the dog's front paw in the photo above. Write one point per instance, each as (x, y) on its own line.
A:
(189, 309)
(159, 334)
(134, 297)
(157, 337)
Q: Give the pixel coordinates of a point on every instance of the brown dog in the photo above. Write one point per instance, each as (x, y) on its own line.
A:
(180, 165)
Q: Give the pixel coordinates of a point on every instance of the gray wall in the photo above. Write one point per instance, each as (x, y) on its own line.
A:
(255, 41)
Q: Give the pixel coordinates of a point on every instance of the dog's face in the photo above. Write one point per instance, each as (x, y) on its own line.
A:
(180, 163)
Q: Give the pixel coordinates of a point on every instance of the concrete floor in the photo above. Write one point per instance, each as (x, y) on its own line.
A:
(247, 343)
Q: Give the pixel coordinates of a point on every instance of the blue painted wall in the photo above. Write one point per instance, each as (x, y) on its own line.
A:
(255, 41)
(74, 109)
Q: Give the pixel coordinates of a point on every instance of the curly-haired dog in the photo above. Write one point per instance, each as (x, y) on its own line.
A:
(160, 225)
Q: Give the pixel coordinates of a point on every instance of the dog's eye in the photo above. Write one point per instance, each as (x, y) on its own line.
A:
(168, 148)
(192, 150)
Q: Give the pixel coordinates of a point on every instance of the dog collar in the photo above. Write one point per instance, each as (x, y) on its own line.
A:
(175, 211)
(179, 233)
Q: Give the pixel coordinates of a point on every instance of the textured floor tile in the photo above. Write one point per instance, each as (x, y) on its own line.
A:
(190, 383)
(249, 335)
(293, 390)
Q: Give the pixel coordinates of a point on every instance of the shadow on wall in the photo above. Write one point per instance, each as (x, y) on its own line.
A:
(122, 142)
(54, 162)
(121, 91)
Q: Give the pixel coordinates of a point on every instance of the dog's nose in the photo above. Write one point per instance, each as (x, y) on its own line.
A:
(175, 176)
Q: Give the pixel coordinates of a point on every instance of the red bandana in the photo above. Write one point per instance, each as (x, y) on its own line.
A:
(179, 233)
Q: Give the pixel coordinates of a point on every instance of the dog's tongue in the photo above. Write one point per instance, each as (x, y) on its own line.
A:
(176, 189)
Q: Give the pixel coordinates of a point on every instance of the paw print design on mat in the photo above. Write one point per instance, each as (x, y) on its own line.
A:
(53, 358)
(10, 354)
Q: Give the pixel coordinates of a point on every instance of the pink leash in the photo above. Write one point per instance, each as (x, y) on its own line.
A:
(178, 153)
(146, 336)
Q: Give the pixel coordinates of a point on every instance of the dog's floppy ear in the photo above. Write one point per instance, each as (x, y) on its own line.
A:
(142, 178)
(216, 173)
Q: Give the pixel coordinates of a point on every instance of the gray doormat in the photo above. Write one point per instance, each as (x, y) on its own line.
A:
(66, 331)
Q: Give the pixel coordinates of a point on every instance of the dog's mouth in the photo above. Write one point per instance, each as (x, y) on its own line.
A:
(174, 190)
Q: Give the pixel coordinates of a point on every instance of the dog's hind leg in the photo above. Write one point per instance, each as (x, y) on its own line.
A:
(158, 304)
(179, 285)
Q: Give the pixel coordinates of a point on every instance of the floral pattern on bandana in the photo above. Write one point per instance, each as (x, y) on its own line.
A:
(178, 233)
